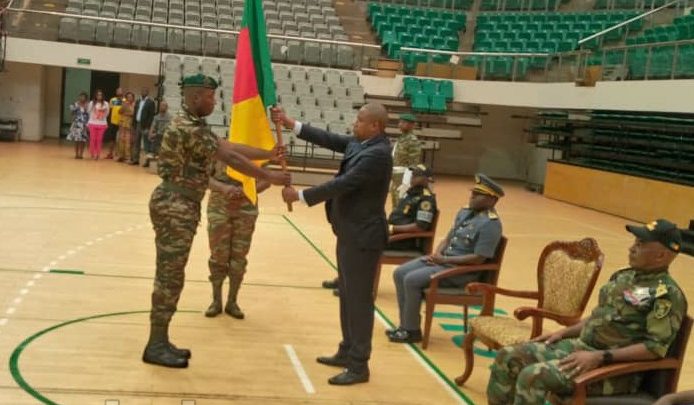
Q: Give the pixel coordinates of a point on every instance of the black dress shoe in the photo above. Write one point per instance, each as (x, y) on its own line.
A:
(391, 332)
(160, 354)
(335, 361)
(406, 336)
(330, 284)
(348, 377)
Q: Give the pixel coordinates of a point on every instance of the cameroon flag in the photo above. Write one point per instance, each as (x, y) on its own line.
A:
(254, 90)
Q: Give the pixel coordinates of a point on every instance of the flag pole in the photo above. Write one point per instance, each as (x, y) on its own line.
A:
(283, 161)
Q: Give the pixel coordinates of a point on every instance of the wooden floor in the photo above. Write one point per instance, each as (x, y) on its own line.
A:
(76, 268)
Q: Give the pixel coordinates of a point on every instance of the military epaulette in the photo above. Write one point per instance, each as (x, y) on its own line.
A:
(426, 192)
(492, 214)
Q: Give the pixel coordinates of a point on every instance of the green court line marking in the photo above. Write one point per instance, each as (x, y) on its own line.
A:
(417, 350)
(66, 271)
(17, 352)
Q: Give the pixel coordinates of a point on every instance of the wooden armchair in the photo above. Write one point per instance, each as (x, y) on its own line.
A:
(403, 256)
(661, 376)
(436, 294)
(566, 276)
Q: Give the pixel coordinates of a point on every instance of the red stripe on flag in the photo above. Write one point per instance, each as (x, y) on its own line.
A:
(245, 85)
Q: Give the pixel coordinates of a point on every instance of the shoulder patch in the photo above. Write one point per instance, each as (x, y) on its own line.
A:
(427, 192)
(425, 206)
(662, 308)
(492, 214)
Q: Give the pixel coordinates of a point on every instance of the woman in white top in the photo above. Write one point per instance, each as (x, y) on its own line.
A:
(98, 113)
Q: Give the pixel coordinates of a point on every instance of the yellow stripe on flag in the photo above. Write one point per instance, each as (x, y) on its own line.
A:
(249, 126)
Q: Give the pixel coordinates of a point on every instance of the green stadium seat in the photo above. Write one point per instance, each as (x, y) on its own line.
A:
(420, 102)
(438, 103)
(446, 88)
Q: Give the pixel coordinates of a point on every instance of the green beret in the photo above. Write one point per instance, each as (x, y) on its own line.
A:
(199, 80)
(408, 117)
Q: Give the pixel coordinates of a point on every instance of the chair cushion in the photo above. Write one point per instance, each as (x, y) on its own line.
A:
(402, 253)
(452, 291)
(505, 331)
(566, 282)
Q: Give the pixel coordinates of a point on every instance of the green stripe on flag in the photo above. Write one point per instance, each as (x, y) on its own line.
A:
(254, 19)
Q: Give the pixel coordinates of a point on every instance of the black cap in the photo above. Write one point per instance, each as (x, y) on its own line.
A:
(660, 230)
(421, 170)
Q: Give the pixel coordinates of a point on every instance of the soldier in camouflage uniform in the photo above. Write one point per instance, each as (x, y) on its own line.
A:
(188, 152)
(639, 313)
(407, 152)
(230, 224)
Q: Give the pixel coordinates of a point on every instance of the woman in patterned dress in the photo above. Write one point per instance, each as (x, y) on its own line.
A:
(78, 130)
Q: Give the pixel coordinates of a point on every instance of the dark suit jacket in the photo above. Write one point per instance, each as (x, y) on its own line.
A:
(355, 198)
(147, 113)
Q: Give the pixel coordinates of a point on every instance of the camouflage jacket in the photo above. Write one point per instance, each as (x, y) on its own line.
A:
(186, 157)
(636, 306)
(408, 150)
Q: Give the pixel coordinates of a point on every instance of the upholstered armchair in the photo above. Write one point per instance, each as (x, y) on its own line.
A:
(661, 377)
(566, 276)
(403, 256)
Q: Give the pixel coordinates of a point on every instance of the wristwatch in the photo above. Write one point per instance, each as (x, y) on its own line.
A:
(606, 357)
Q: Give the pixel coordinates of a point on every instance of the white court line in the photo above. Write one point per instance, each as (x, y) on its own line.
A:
(53, 263)
(24, 291)
(305, 381)
(3, 321)
(70, 252)
(17, 300)
(30, 283)
(62, 257)
(10, 311)
(45, 268)
(431, 371)
(38, 276)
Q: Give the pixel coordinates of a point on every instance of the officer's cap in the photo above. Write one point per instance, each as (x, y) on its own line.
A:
(199, 80)
(660, 230)
(408, 118)
(485, 185)
(421, 170)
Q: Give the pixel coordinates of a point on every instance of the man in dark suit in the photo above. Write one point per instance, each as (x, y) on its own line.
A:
(354, 203)
(143, 115)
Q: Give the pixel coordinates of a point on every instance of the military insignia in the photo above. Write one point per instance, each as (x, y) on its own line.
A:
(651, 226)
(661, 290)
(638, 296)
(662, 308)
(492, 215)
(406, 209)
(675, 246)
(425, 205)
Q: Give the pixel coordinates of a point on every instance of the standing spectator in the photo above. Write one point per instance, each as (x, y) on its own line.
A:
(125, 129)
(144, 113)
(98, 113)
(159, 124)
(78, 130)
(113, 122)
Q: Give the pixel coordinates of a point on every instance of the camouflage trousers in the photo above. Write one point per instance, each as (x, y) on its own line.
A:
(231, 222)
(523, 374)
(175, 219)
(395, 182)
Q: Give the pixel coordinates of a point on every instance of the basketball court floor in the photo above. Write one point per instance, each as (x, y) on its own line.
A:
(76, 270)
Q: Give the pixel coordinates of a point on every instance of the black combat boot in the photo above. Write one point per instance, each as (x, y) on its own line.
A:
(215, 307)
(232, 308)
(159, 350)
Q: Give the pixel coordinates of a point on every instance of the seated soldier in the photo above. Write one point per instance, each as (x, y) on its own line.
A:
(415, 213)
(473, 239)
(639, 313)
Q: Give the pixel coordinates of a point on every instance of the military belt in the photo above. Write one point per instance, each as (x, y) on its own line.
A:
(184, 191)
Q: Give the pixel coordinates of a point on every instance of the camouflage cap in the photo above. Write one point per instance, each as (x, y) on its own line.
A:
(199, 80)
(421, 170)
(660, 230)
(408, 118)
(485, 185)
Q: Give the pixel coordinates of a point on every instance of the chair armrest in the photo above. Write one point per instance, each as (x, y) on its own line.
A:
(492, 289)
(617, 369)
(409, 235)
(456, 271)
(525, 312)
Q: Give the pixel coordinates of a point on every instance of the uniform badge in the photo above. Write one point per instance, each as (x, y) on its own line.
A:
(662, 308)
(661, 289)
(638, 296)
(406, 209)
(425, 206)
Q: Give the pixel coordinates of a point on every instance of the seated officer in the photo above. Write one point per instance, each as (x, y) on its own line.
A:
(415, 213)
(473, 239)
(639, 313)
